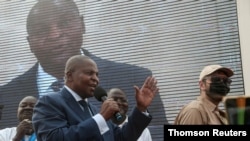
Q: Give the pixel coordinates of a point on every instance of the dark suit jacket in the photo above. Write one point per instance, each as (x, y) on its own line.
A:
(111, 74)
(58, 117)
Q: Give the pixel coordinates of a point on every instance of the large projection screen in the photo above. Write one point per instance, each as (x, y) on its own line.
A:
(174, 39)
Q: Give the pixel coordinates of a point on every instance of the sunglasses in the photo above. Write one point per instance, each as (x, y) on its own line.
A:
(217, 79)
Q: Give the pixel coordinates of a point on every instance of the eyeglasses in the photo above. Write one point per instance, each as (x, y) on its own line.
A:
(217, 79)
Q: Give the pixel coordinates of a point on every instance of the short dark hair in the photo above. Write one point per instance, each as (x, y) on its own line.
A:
(41, 7)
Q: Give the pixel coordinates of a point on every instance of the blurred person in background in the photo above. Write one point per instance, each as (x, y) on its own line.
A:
(55, 33)
(120, 97)
(214, 82)
(24, 130)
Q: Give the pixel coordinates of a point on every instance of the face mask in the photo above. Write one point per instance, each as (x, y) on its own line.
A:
(219, 88)
(220, 85)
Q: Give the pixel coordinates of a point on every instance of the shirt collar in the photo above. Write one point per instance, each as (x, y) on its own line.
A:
(211, 106)
(75, 95)
(44, 80)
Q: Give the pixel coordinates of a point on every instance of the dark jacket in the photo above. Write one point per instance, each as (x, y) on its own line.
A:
(111, 74)
(59, 117)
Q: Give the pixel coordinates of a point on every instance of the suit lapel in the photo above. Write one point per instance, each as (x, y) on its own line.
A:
(72, 103)
(93, 109)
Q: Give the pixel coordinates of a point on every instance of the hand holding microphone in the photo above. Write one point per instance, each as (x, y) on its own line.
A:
(109, 107)
(23, 128)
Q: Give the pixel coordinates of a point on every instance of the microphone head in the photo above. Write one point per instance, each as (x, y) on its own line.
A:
(99, 93)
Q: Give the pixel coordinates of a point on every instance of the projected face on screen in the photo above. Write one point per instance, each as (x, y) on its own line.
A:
(129, 40)
(55, 31)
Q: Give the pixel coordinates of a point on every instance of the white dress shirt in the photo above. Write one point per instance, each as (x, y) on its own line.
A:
(7, 134)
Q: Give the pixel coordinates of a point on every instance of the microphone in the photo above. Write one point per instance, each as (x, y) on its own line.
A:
(101, 95)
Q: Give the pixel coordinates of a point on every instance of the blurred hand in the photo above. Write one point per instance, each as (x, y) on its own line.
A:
(146, 93)
(109, 108)
(23, 128)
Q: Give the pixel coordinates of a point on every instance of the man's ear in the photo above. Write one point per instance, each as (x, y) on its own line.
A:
(69, 75)
(202, 85)
(83, 24)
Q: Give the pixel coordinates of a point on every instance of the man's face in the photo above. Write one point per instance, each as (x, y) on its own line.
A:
(25, 108)
(55, 33)
(217, 85)
(84, 79)
(121, 100)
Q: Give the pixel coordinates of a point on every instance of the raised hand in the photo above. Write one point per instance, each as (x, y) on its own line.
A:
(146, 93)
(23, 128)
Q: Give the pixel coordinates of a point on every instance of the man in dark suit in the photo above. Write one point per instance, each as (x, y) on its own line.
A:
(55, 33)
(68, 116)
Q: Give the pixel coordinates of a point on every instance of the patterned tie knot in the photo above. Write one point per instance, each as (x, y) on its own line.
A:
(57, 85)
(84, 104)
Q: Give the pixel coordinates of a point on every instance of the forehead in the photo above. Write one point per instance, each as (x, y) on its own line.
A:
(116, 93)
(48, 10)
(88, 63)
(84, 64)
(28, 100)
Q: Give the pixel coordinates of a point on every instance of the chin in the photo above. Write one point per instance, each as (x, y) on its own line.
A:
(90, 95)
(220, 97)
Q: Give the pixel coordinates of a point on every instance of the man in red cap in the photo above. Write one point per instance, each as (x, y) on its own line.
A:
(214, 84)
